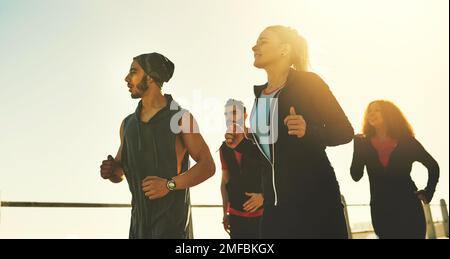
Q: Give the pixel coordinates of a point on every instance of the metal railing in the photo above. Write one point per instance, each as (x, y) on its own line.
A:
(31, 204)
(430, 223)
(431, 232)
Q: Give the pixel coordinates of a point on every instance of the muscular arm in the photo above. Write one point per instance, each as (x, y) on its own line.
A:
(223, 184)
(118, 171)
(223, 190)
(199, 151)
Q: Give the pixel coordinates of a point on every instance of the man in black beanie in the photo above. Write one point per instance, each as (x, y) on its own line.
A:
(154, 154)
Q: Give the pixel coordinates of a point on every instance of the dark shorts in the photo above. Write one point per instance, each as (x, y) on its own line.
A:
(244, 227)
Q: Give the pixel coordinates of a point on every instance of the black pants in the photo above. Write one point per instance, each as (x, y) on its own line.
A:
(399, 219)
(244, 228)
(313, 221)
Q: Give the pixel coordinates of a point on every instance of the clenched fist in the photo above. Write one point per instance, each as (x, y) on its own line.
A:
(154, 187)
(295, 123)
(108, 167)
(234, 136)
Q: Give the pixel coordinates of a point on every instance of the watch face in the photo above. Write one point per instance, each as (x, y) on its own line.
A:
(171, 185)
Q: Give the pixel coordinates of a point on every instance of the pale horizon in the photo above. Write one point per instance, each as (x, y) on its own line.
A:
(63, 93)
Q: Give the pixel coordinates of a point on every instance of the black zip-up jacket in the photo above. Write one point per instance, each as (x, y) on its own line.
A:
(394, 181)
(299, 172)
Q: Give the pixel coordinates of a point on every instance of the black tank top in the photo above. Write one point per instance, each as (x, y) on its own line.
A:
(243, 178)
(149, 150)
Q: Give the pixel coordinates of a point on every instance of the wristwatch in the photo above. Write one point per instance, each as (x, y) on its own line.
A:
(171, 184)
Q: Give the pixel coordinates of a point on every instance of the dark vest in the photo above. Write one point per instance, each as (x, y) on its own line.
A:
(243, 178)
(149, 150)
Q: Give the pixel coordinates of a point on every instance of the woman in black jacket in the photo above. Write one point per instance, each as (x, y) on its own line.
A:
(387, 148)
(294, 118)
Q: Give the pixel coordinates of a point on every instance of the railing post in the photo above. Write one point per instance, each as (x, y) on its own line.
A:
(347, 221)
(0, 207)
(431, 233)
(444, 216)
(191, 225)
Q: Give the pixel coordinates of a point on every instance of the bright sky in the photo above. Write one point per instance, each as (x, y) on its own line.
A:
(63, 63)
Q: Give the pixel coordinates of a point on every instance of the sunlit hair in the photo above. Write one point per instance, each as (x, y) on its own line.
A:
(299, 46)
(397, 126)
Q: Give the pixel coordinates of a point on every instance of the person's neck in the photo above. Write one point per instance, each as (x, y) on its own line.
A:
(276, 77)
(381, 133)
(153, 100)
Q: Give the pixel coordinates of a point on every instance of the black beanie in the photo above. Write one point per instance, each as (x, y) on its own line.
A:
(156, 66)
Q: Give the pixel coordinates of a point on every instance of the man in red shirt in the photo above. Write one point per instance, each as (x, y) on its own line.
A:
(241, 181)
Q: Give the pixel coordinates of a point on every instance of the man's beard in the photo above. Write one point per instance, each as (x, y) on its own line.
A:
(142, 87)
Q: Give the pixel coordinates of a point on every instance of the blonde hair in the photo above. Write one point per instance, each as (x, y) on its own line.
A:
(299, 46)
